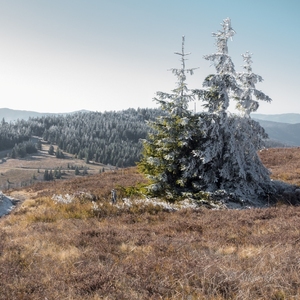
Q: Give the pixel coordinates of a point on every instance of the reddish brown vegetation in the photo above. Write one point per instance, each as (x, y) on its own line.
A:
(99, 185)
(284, 163)
(251, 254)
(72, 253)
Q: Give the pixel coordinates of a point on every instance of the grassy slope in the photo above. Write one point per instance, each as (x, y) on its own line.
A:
(58, 251)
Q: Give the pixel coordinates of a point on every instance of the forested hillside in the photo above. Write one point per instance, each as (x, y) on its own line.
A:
(109, 137)
(286, 133)
(13, 133)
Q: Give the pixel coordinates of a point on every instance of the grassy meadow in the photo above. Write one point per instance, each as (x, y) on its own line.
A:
(51, 250)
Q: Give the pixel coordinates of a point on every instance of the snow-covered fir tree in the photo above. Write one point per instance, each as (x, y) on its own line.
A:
(222, 84)
(229, 159)
(213, 152)
(246, 103)
(174, 135)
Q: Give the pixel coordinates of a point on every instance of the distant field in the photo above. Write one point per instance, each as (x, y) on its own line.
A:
(284, 164)
(21, 172)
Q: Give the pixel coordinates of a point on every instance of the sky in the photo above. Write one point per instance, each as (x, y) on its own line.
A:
(103, 55)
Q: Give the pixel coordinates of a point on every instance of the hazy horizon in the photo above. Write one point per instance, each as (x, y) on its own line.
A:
(85, 110)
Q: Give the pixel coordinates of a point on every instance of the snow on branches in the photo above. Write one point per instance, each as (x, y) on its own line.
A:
(190, 154)
(221, 59)
(248, 80)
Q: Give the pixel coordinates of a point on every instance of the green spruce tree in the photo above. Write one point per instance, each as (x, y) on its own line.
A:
(173, 136)
(51, 150)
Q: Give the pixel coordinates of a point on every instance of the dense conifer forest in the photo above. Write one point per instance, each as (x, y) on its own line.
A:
(13, 133)
(110, 137)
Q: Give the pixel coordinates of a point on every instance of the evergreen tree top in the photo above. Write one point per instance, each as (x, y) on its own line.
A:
(221, 59)
(223, 36)
(180, 97)
(248, 80)
(181, 73)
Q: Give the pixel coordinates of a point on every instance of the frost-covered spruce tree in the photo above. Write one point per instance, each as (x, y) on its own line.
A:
(246, 103)
(174, 136)
(228, 157)
(223, 83)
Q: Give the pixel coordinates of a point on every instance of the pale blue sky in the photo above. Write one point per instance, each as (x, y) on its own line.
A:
(66, 55)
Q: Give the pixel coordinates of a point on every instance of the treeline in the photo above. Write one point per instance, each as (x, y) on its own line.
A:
(109, 137)
(21, 149)
(13, 133)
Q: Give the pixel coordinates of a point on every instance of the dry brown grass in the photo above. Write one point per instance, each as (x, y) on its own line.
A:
(58, 251)
(284, 163)
(251, 254)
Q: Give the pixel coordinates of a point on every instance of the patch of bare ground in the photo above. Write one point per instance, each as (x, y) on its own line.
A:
(51, 250)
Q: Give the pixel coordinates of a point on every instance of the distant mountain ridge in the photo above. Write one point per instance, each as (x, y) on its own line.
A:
(287, 134)
(290, 118)
(284, 128)
(11, 115)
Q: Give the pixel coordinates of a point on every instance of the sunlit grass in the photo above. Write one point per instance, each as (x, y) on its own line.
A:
(52, 250)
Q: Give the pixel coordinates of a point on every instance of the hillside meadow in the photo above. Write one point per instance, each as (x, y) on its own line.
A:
(26, 171)
(52, 250)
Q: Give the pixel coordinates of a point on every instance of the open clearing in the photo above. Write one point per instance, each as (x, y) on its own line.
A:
(25, 171)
